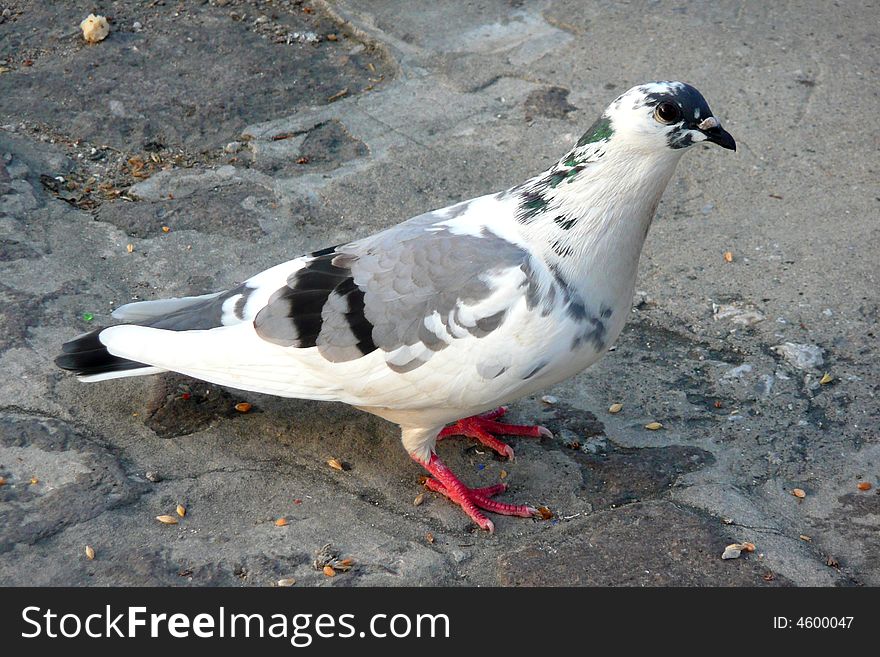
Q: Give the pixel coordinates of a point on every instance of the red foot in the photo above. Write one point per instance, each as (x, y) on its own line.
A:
(481, 427)
(472, 499)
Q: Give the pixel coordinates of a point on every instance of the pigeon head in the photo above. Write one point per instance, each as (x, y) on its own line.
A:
(664, 115)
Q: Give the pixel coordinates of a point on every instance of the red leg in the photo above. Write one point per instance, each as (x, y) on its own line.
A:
(472, 499)
(482, 427)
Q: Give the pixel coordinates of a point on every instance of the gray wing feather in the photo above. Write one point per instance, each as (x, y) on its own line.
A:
(378, 293)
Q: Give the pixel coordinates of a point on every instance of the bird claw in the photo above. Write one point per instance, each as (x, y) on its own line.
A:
(484, 428)
(472, 500)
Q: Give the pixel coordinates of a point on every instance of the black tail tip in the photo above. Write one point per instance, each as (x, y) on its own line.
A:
(86, 356)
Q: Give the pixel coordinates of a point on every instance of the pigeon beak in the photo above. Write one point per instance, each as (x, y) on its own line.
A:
(718, 135)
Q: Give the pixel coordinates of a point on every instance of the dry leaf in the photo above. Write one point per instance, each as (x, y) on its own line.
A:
(799, 493)
(328, 571)
(243, 407)
(90, 552)
(181, 510)
(728, 256)
(336, 464)
(2, 481)
(167, 520)
(864, 485)
(281, 522)
(747, 547)
(826, 378)
(653, 426)
(615, 408)
(545, 513)
(287, 581)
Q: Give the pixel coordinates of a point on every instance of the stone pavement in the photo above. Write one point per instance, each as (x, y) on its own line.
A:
(256, 131)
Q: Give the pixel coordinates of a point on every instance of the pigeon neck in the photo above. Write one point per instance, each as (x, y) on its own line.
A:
(596, 206)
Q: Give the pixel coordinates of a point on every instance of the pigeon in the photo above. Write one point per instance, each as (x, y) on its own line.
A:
(436, 322)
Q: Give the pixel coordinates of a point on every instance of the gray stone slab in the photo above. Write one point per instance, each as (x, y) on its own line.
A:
(233, 143)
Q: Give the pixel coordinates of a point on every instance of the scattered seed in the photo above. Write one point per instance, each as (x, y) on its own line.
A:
(549, 399)
(429, 537)
(287, 581)
(332, 37)
(281, 522)
(826, 378)
(864, 485)
(243, 407)
(776, 196)
(339, 94)
(90, 552)
(653, 426)
(155, 157)
(615, 408)
(129, 248)
(545, 513)
(717, 404)
(502, 474)
(166, 229)
(167, 520)
(806, 538)
(302, 160)
(94, 28)
(153, 476)
(336, 464)
(732, 551)
(34, 481)
(181, 510)
(728, 256)
(799, 493)
(769, 577)
(419, 499)
(329, 571)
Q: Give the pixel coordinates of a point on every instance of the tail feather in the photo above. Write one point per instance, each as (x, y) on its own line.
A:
(88, 357)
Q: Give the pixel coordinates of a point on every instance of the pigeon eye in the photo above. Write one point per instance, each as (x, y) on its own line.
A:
(667, 112)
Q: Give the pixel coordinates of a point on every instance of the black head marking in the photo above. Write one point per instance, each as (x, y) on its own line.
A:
(692, 106)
